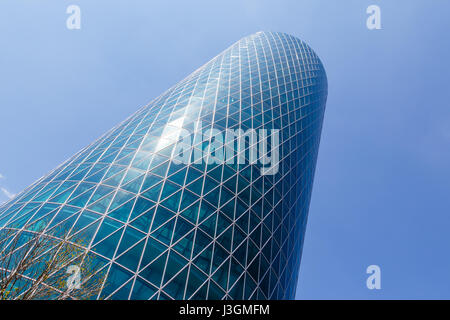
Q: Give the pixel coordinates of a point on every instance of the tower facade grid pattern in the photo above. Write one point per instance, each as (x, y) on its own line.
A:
(204, 230)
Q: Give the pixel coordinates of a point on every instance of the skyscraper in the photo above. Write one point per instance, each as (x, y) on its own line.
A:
(204, 192)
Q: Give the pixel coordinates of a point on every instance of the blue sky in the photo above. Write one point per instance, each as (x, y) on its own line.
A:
(383, 175)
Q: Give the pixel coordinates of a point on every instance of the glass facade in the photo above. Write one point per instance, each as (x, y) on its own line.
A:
(203, 229)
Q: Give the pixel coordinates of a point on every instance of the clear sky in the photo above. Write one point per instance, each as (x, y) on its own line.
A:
(381, 193)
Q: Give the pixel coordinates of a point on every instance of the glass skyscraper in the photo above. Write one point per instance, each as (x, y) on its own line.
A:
(218, 225)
